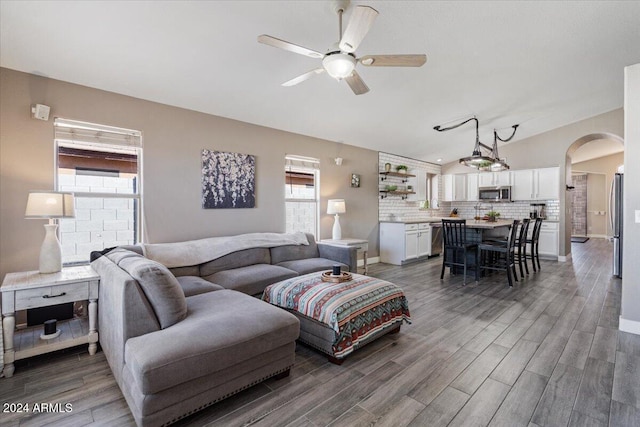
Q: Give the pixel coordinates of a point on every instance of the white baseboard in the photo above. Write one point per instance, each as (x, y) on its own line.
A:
(564, 258)
(598, 236)
(631, 326)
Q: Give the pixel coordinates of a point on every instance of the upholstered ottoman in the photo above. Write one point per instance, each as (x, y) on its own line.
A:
(338, 318)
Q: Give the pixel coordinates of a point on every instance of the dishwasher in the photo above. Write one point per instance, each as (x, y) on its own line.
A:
(436, 238)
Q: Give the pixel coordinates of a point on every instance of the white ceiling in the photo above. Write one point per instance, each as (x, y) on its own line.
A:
(541, 64)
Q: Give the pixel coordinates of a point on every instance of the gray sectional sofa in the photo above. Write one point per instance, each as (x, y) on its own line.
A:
(183, 337)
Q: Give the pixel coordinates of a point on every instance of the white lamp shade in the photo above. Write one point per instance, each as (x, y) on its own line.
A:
(336, 206)
(50, 204)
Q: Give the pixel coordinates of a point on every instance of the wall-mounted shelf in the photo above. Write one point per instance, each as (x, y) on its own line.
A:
(385, 193)
(385, 175)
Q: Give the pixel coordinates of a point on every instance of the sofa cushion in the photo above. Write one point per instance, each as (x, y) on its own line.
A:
(193, 285)
(292, 252)
(158, 284)
(252, 279)
(310, 265)
(237, 259)
(193, 270)
(222, 329)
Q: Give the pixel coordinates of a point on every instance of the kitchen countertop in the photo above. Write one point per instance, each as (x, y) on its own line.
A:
(439, 219)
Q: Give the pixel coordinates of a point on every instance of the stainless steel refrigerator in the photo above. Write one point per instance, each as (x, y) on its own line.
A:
(615, 217)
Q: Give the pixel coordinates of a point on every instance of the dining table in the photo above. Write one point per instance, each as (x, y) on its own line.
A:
(479, 230)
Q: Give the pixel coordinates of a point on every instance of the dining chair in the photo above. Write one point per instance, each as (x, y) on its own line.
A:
(534, 255)
(499, 256)
(521, 244)
(456, 247)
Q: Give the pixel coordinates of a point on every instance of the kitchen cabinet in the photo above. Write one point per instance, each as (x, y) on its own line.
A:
(472, 187)
(401, 243)
(454, 187)
(548, 183)
(549, 238)
(535, 184)
(494, 179)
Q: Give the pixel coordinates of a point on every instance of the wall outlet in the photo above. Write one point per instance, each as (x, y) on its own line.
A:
(637, 216)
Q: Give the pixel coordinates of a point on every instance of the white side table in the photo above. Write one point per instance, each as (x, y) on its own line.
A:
(360, 244)
(30, 289)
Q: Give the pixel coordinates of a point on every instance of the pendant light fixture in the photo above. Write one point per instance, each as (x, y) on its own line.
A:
(483, 162)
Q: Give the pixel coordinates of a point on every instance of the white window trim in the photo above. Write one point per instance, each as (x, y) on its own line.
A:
(136, 145)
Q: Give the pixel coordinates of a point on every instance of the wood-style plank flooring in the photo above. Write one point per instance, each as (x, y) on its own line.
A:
(545, 353)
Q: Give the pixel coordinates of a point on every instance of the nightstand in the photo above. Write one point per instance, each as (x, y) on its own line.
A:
(30, 289)
(360, 244)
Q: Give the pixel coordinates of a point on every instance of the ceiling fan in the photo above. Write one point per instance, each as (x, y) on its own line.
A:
(340, 60)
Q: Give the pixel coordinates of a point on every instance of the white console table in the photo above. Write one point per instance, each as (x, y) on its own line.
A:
(30, 289)
(360, 244)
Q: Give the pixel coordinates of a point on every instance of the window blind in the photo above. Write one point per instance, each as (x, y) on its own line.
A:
(89, 133)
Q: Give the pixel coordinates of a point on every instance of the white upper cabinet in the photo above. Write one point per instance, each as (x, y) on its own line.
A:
(548, 183)
(460, 187)
(472, 187)
(536, 184)
(493, 179)
(447, 188)
(522, 188)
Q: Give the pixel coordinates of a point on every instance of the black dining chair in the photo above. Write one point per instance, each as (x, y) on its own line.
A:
(521, 245)
(456, 247)
(534, 255)
(499, 256)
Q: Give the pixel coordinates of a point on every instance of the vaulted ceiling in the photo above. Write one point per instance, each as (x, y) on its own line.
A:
(541, 64)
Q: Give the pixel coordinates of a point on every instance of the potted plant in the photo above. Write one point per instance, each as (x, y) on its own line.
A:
(493, 215)
(401, 168)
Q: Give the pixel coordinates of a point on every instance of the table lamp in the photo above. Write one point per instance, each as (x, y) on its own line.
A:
(50, 205)
(336, 206)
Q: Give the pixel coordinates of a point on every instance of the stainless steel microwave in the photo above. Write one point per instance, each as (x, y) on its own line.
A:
(495, 194)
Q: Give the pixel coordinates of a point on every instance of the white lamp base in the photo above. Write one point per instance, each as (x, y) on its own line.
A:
(337, 231)
(50, 252)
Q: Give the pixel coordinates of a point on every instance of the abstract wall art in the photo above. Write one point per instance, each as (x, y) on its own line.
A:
(228, 180)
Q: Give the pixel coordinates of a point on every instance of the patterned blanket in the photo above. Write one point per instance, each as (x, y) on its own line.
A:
(355, 309)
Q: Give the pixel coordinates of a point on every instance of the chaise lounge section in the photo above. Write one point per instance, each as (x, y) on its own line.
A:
(178, 342)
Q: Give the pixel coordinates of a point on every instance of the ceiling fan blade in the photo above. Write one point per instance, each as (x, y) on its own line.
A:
(305, 76)
(358, 27)
(356, 84)
(282, 44)
(393, 60)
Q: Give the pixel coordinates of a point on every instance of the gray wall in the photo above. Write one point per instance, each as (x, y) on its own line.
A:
(173, 139)
(630, 309)
(550, 149)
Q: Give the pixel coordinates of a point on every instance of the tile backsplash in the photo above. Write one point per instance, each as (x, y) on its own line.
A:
(394, 207)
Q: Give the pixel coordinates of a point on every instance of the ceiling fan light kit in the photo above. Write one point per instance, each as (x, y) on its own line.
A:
(477, 160)
(340, 60)
(339, 65)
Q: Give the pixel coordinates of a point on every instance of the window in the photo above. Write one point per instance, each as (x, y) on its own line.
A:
(302, 194)
(101, 165)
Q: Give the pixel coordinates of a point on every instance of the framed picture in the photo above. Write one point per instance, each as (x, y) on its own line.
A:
(355, 180)
(228, 180)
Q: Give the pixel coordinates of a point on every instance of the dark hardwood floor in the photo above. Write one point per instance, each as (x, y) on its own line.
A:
(545, 353)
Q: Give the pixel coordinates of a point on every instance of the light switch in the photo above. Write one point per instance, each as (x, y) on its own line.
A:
(637, 216)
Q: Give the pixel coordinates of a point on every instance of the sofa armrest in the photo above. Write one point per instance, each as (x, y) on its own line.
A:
(343, 254)
(124, 312)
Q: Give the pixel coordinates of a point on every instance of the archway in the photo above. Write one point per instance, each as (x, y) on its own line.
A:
(571, 151)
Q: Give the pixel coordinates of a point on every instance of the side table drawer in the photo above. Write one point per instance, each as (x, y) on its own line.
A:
(51, 295)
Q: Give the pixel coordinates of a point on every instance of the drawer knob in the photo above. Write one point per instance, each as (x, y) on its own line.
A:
(54, 296)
